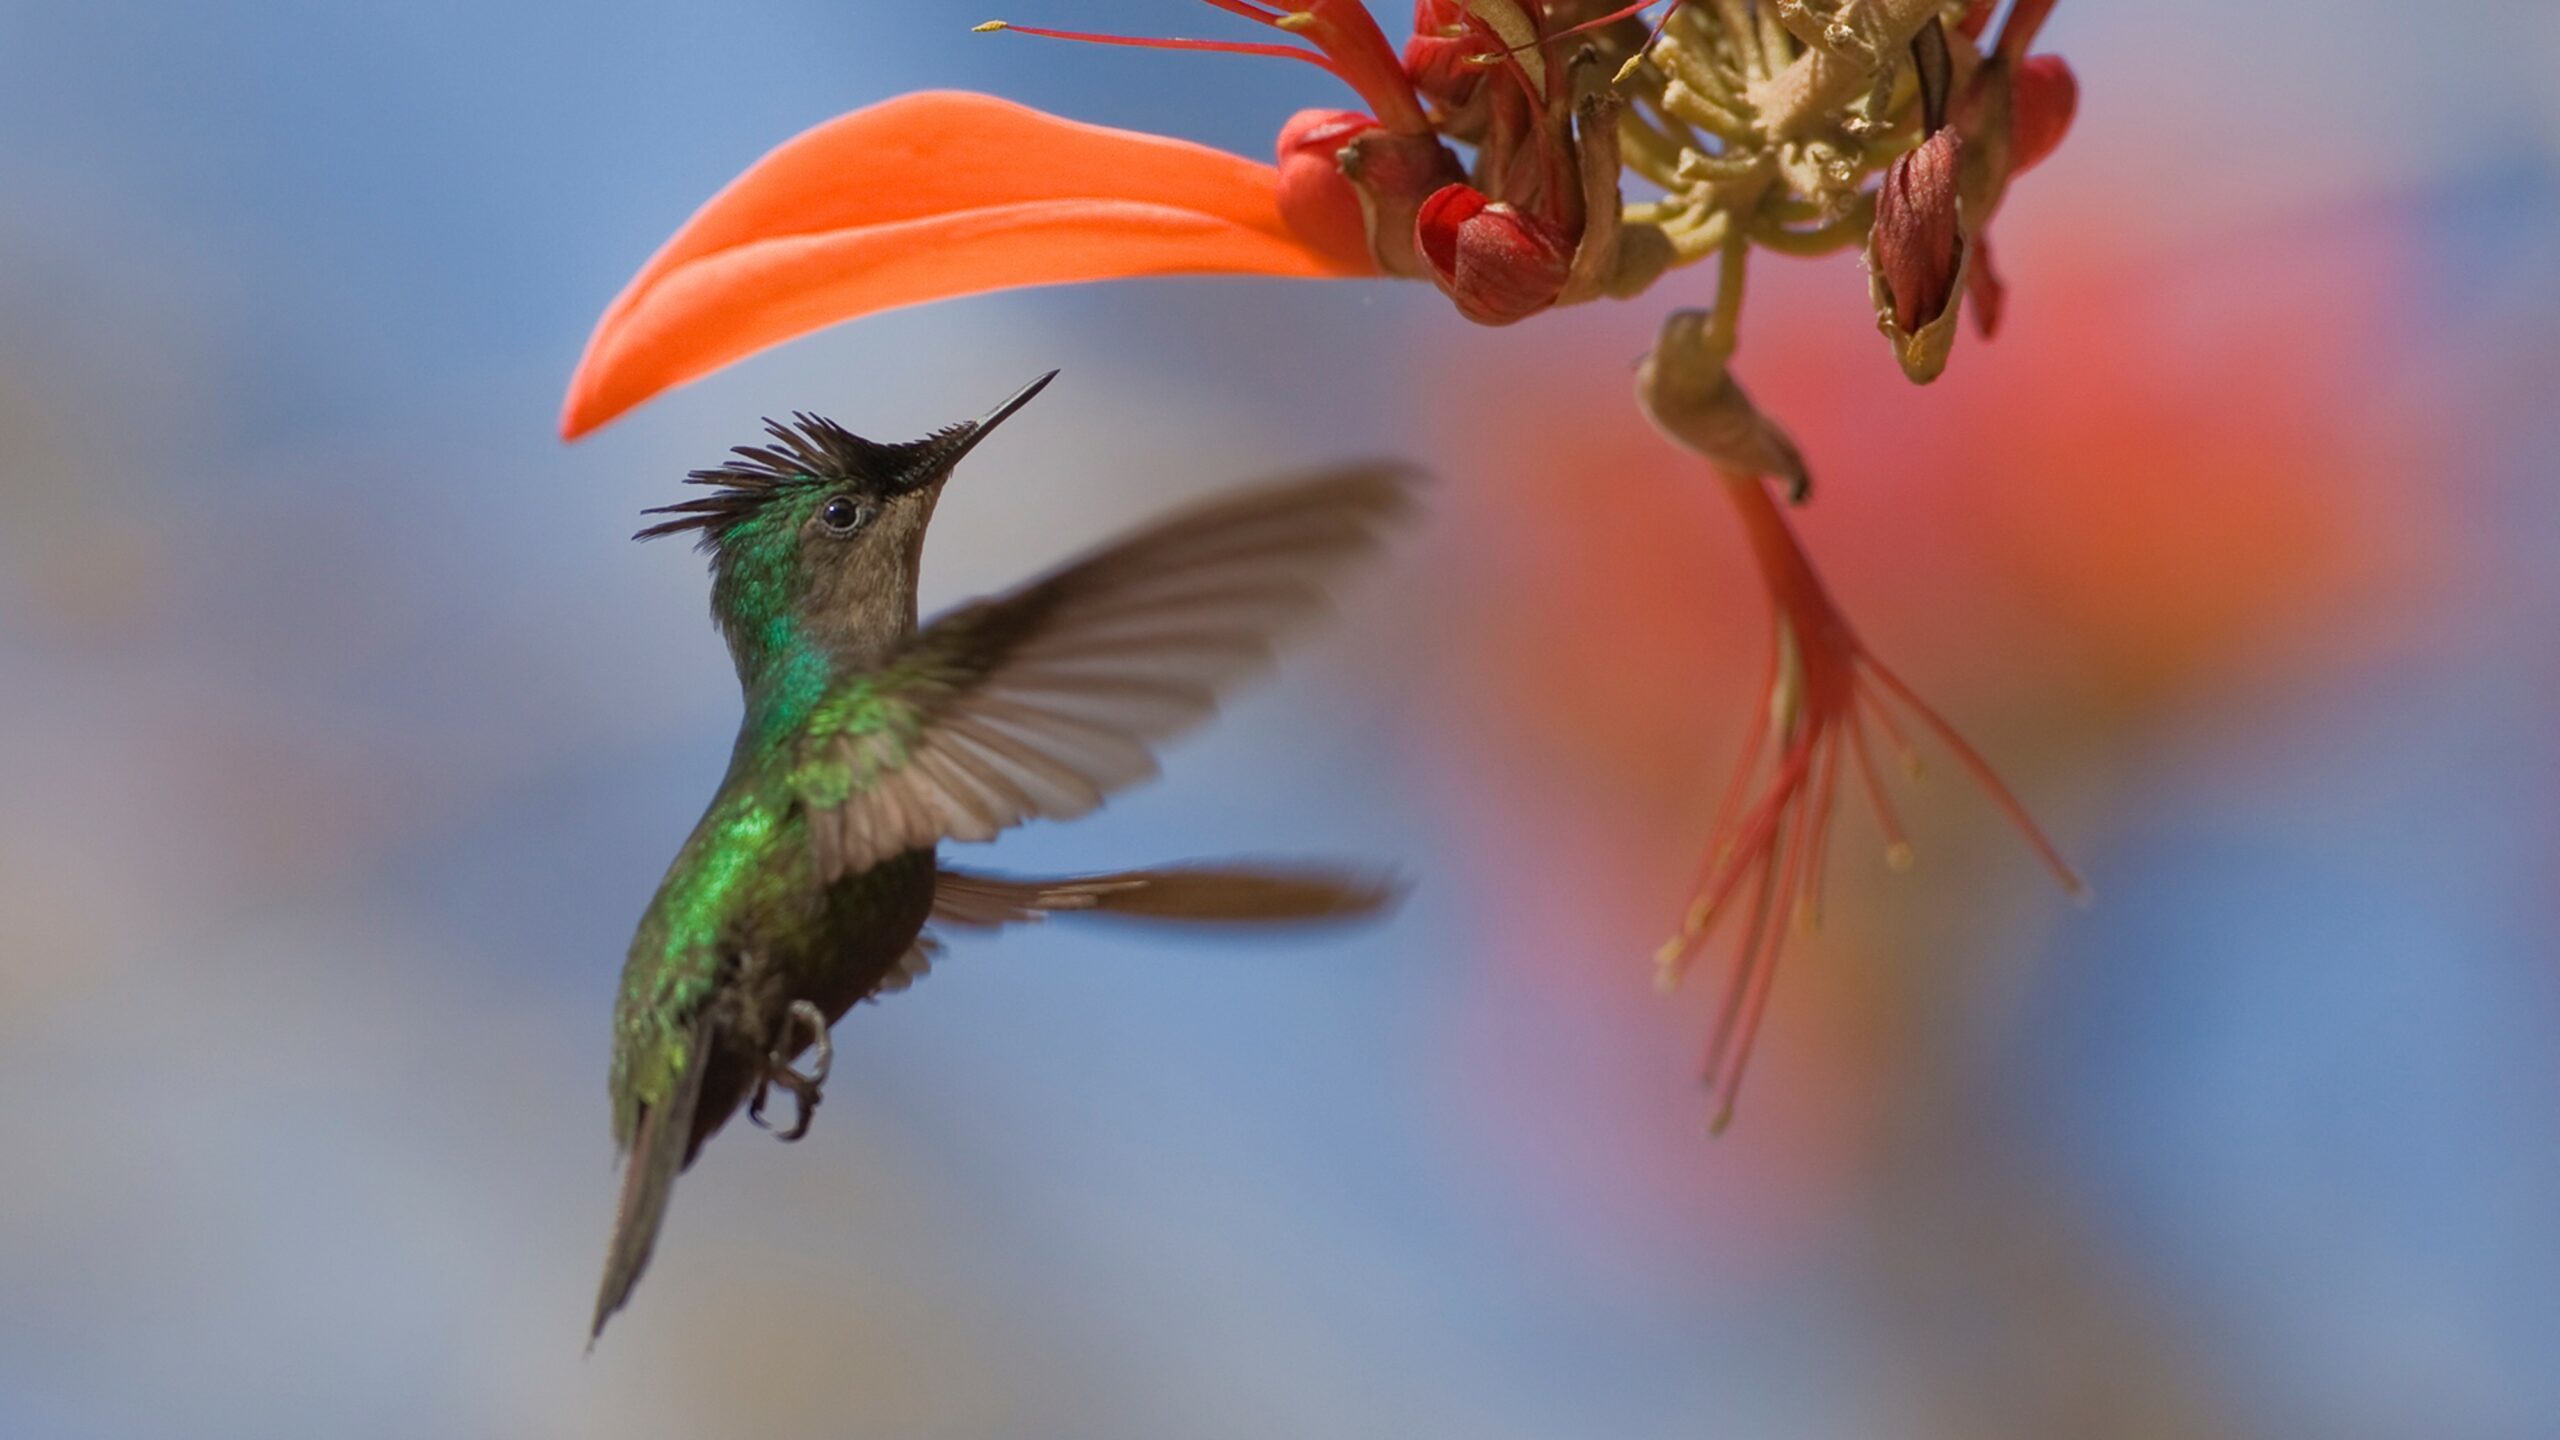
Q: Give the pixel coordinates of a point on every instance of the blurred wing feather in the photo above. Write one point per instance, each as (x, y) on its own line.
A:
(1040, 702)
(1249, 893)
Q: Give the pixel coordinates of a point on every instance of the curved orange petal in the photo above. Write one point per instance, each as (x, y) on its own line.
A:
(924, 197)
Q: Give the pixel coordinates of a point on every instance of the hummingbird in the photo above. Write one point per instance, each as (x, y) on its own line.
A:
(868, 742)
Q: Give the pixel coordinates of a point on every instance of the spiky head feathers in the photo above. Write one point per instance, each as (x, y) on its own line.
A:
(810, 456)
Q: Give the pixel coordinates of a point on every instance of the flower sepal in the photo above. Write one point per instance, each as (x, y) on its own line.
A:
(1393, 176)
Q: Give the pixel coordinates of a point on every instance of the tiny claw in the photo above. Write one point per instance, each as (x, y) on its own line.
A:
(804, 1088)
(804, 1097)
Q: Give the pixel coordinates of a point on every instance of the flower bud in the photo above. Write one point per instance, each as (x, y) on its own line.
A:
(1916, 243)
(1915, 255)
(1498, 263)
(1316, 198)
(2043, 95)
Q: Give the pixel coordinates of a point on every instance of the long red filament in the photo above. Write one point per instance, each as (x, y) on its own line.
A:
(2019, 30)
(1983, 775)
(1261, 14)
(1624, 12)
(1219, 47)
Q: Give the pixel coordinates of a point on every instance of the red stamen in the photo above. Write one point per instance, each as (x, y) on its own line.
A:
(2019, 30)
(1258, 13)
(1897, 850)
(1737, 985)
(1727, 865)
(1150, 42)
(1902, 750)
(1971, 759)
(1769, 942)
(1347, 32)
(1781, 844)
(1824, 780)
(1750, 765)
(1626, 12)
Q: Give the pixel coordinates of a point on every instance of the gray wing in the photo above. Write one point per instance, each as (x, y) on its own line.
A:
(1040, 702)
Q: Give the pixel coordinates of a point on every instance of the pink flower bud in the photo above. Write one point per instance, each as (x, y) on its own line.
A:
(2043, 95)
(1917, 244)
(1498, 263)
(1316, 198)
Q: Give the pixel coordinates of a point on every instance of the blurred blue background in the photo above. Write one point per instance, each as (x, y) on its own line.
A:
(346, 739)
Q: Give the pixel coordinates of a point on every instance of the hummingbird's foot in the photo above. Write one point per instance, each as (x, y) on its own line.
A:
(822, 1046)
(778, 1074)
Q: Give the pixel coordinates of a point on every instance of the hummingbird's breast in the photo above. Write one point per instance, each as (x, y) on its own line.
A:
(740, 924)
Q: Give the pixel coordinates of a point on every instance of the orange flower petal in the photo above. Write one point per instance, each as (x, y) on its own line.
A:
(924, 197)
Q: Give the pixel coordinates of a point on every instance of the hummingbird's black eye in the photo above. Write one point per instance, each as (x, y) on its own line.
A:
(842, 514)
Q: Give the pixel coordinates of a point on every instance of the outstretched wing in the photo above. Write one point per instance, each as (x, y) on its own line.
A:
(1040, 702)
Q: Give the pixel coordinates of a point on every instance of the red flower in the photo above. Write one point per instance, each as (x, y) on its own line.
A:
(937, 195)
(921, 198)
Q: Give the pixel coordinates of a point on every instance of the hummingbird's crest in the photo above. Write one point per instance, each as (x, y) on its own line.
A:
(810, 451)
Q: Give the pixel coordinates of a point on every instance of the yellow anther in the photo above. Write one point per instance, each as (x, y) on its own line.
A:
(988, 28)
(1899, 855)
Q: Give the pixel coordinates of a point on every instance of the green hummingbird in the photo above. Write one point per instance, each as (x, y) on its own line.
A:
(808, 884)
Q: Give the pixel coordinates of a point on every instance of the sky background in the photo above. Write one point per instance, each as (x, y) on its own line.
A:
(346, 738)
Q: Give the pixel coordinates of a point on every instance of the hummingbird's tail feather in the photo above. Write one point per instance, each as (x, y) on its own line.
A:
(658, 1152)
(1174, 894)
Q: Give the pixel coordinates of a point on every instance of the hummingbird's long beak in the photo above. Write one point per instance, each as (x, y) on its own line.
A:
(969, 433)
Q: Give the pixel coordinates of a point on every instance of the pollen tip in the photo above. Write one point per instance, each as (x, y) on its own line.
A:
(1724, 1117)
(1667, 956)
(1899, 855)
(1296, 20)
(988, 27)
(2078, 889)
(1627, 71)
